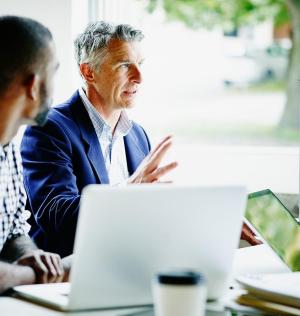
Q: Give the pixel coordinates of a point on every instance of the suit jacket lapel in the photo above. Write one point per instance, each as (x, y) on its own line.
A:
(134, 154)
(89, 136)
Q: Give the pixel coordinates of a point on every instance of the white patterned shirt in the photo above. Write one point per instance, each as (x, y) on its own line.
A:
(12, 195)
(112, 146)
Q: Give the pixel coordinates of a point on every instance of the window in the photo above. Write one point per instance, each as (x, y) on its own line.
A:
(224, 131)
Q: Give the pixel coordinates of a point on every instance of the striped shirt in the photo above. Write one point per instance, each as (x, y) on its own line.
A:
(112, 146)
(12, 195)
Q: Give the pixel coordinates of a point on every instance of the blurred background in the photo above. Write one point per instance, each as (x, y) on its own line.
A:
(221, 76)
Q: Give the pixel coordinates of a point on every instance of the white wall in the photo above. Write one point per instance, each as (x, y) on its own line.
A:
(57, 16)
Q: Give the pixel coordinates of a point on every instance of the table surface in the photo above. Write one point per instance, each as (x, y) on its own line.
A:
(11, 306)
(14, 306)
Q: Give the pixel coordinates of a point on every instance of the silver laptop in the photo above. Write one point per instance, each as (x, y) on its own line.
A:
(125, 235)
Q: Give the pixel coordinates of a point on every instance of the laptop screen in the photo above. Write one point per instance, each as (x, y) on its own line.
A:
(276, 225)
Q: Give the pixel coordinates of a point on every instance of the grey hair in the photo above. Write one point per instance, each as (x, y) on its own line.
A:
(91, 45)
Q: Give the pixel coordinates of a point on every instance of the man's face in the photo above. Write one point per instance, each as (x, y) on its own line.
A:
(37, 108)
(47, 85)
(119, 76)
(36, 91)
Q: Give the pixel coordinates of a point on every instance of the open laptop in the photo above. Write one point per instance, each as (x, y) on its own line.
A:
(275, 225)
(127, 234)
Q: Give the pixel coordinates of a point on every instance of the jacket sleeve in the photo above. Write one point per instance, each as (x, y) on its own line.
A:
(49, 179)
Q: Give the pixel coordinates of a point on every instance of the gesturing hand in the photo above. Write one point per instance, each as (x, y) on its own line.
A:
(149, 170)
(47, 266)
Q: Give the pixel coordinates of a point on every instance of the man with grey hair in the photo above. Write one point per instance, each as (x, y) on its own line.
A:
(89, 139)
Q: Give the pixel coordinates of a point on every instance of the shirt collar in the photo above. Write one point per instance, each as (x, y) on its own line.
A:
(123, 126)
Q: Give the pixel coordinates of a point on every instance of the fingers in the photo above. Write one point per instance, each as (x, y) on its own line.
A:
(40, 269)
(47, 266)
(160, 172)
(149, 170)
(248, 235)
(58, 265)
(159, 145)
(158, 155)
(51, 271)
(67, 263)
(54, 267)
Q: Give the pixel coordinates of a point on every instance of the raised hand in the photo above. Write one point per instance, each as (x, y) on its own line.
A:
(149, 170)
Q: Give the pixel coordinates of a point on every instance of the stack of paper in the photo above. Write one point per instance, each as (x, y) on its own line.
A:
(267, 306)
(279, 293)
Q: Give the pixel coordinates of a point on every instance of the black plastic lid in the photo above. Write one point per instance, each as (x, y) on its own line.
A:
(180, 277)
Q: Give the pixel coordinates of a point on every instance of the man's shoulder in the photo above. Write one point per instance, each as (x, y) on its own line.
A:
(64, 111)
(60, 120)
(138, 129)
(139, 136)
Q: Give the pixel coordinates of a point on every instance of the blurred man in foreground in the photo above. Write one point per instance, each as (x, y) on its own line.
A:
(27, 66)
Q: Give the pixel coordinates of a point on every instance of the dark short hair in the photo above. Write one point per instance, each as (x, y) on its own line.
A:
(23, 48)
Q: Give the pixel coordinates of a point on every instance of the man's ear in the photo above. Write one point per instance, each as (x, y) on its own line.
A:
(33, 87)
(32, 90)
(87, 72)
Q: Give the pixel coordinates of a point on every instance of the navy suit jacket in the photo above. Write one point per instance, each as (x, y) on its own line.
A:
(59, 160)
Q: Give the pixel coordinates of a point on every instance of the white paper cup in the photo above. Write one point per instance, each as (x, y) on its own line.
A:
(179, 293)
